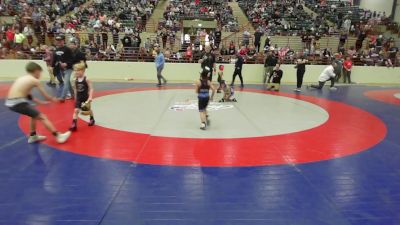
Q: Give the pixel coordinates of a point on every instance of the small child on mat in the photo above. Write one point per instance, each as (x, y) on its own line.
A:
(220, 77)
(276, 78)
(83, 96)
(229, 92)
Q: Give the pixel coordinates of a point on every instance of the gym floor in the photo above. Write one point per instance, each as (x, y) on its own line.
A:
(315, 158)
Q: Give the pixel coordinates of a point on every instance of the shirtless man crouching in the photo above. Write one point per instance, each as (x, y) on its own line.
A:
(21, 101)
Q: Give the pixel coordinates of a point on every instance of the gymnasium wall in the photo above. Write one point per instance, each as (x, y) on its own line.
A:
(185, 72)
(397, 12)
(378, 5)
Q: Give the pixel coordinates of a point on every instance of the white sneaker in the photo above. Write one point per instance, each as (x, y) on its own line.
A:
(36, 138)
(297, 90)
(333, 88)
(203, 126)
(62, 138)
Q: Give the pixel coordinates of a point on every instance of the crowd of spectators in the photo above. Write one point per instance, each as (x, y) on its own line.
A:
(34, 22)
(218, 10)
(123, 20)
(345, 16)
(281, 17)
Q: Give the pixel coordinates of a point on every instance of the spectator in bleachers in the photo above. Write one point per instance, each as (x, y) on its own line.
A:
(232, 48)
(251, 54)
(267, 44)
(393, 52)
(19, 38)
(218, 37)
(10, 35)
(257, 38)
(246, 37)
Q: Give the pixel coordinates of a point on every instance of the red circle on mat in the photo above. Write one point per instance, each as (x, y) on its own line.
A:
(4, 90)
(384, 96)
(349, 130)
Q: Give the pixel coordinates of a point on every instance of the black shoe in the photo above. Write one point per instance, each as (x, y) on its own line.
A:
(234, 100)
(73, 128)
(159, 85)
(241, 86)
(51, 84)
(91, 123)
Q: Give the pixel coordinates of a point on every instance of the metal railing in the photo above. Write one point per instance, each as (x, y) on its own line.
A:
(141, 55)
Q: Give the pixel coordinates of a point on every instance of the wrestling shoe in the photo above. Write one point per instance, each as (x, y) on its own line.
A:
(62, 138)
(159, 85)
(73, 128)
(203, 126)
(36, 138)
(50, 84)
(234, 100)
(297, 90)
(91, 123)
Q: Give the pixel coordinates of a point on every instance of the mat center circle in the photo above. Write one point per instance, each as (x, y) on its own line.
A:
(173, 113)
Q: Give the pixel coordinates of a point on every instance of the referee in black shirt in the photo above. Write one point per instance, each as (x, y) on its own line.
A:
(208, 60)
(238, 70)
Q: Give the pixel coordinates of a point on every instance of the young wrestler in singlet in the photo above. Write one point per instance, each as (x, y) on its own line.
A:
(229, 93)
(203, 87)
(83, 94)
(21, 101)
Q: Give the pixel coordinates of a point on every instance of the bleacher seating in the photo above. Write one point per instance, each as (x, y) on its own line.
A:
(280, 18)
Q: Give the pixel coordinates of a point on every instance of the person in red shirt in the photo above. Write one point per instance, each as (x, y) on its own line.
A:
(347, 66)
(189, 53)
(243, 51)
(10, 35)
(372, 41)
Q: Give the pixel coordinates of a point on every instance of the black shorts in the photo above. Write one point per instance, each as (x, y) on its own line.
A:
(219, 79)
(203, 103)
(79, 101)
(26, 109)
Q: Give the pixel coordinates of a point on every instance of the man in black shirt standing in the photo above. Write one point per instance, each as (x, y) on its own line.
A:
(208, 60)
(257, 39)
(62, 65)
(393, 50)
(301, 69)
(218, 36)
(238, 70)
(270, 63)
